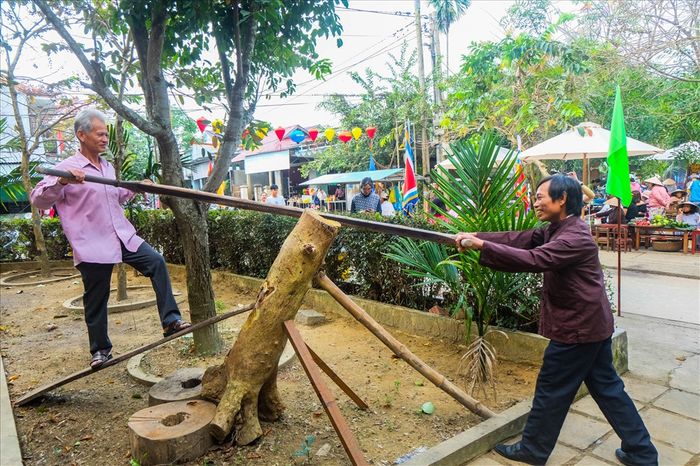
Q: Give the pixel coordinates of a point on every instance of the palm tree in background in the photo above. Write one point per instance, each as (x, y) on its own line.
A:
(447, 12)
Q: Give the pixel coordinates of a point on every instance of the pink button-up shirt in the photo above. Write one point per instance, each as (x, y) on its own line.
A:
(91, 214)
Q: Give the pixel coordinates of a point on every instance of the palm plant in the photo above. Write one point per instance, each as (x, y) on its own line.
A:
(483, 196)
(448, 12)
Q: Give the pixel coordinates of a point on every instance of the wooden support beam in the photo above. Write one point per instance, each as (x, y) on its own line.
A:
(338, 381)
(401, 350)
(352, 448)
(126, 356)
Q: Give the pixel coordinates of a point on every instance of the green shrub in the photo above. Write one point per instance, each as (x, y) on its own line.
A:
(247, 243)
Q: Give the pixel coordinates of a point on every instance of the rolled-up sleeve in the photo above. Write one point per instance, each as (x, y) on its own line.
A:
(46, 192)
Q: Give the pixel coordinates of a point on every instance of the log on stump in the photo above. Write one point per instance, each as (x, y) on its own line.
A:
(171, 432)
(182, 385)
(245, 385)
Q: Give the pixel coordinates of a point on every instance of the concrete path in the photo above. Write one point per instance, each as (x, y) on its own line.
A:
(675, 264)
(664, 382)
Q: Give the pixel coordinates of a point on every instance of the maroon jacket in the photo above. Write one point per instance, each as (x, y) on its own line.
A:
(574, 307)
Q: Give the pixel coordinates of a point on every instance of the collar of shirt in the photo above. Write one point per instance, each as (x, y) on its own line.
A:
(84, 161)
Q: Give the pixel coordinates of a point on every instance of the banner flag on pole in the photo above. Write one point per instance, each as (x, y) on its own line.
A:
(618, 183)
(410, 188)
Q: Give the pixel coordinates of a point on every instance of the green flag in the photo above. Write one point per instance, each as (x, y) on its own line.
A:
(618, 184)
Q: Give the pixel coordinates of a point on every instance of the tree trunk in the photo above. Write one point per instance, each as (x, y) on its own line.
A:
(245, 385)
(191, 220)
(42, 255)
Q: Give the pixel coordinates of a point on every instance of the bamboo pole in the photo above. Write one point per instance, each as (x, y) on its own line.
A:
(205, 196)
(26, 398)
(401, 350)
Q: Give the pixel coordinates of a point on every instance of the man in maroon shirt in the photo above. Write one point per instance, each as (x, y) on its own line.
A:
(575, 315)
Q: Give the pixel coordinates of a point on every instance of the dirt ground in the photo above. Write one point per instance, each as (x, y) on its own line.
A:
(85, 422)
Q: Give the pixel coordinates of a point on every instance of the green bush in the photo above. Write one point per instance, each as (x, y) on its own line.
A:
(247, 243)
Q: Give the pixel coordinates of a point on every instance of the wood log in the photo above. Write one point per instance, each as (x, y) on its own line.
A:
(245, 386)
(171, 433)
(401, 350)
(182, 385)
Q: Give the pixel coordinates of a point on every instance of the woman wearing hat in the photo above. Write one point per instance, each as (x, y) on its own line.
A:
(677, 197)
(688, 214)
(659, 198)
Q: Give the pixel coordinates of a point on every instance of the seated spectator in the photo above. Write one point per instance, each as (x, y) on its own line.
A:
(677, 197)
(610, 215)
(688, 214)
(659, 198)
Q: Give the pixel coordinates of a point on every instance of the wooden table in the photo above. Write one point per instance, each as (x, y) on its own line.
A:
(651, 230)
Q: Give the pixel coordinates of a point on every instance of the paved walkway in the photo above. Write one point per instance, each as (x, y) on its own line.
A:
(664, 263)
(663, 381)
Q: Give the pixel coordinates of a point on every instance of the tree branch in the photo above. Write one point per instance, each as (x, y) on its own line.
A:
(95, 74)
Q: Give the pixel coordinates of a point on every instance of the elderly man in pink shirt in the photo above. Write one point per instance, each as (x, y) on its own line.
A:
(100, 234)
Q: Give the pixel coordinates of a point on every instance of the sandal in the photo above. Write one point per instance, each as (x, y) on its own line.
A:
(175, 327)
(100, 357)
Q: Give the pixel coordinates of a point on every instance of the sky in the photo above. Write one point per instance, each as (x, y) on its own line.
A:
(372, 30)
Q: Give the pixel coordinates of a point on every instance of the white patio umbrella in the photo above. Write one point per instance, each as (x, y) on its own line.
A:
(585, 141)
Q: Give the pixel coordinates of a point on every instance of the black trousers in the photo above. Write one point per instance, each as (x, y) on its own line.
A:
(96, 281)
(564, 367)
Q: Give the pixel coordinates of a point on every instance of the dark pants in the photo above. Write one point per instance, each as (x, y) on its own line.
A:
(96, 280)
(564, 367)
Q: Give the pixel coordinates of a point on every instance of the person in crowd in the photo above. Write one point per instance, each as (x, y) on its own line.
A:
(263, 197)
(387, 207)
(634, 184)
(93, 220)
(575, 315)
(366, 200)
(688, 214)
(659, 198)
(694, 188)
(321, 197)
(339, 193)
(275, 198)
(610, 215)
(637, 207)
(677, 197)
(436, 210)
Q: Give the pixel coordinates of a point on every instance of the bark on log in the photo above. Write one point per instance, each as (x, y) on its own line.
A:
(245, 385)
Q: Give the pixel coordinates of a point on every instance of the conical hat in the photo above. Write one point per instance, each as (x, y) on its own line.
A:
(669, 182)
(654, 180)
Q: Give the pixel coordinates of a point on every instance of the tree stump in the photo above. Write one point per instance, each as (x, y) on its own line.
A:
(171, 432)
(182, 385)
(245, 385)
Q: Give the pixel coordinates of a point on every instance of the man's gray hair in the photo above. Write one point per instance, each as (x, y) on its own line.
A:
(83, 120)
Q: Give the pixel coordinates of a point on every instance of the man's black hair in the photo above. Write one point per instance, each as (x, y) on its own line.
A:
(274, 186)
(366, 180)
(560, 184)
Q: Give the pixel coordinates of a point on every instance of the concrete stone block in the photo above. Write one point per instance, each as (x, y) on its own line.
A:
(642, 391)
(590, 461)
(673, 429)
(561, 454)
(309, 317)
(684, 403)
(685, 377)
(488, 459)
(580, 431)
(667, 454)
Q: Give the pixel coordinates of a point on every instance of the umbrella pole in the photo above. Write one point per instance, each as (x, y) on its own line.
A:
(619, 254)
(585, 170)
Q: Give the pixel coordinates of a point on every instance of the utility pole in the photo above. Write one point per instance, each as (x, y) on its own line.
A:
(425, 154)
(436, 58)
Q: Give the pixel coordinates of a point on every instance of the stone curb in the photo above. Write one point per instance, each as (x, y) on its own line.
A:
(133, 367)
(4, 281)
(69, 305)
(10, 453)
(476, 441)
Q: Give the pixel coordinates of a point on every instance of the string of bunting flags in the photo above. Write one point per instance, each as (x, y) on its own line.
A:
(256, 132)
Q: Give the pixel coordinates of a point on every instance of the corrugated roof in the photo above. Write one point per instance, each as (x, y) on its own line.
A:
(352, 177)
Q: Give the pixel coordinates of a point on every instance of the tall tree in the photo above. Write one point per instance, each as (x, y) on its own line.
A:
(256, 43)
(36, 123)
(447, 12)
